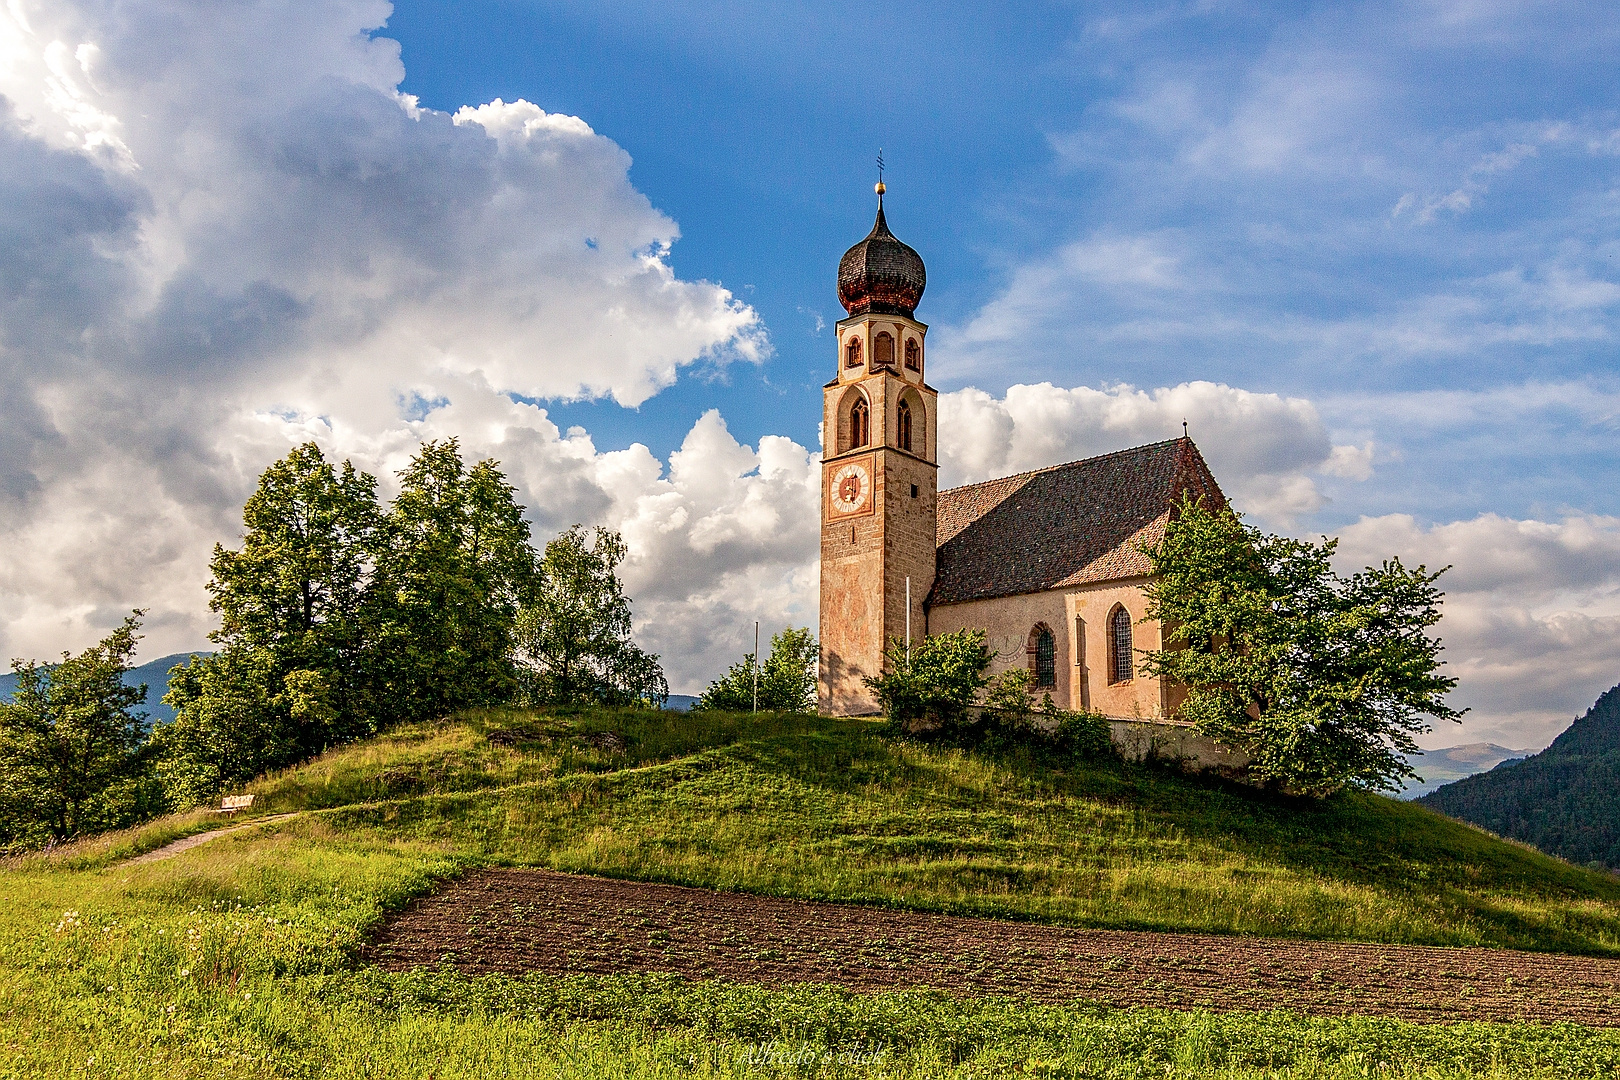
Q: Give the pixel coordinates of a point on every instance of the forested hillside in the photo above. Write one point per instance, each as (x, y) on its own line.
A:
(1564, 800)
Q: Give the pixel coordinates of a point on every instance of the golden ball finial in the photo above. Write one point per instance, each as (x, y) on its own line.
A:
(880, 189)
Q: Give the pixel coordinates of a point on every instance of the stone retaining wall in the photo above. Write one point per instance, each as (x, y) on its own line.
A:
(1171, 741)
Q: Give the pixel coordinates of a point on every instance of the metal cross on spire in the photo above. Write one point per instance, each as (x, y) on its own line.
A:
(880, 188)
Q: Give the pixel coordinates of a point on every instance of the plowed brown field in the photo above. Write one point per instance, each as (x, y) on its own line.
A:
(515, 921)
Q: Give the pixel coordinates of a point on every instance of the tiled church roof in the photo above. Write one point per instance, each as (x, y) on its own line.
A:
(1067, 525)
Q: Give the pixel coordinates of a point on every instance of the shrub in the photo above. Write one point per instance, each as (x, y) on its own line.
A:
(787, 679)
(935, 681)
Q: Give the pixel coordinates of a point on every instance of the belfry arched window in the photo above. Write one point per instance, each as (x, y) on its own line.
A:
(1044, 648)
(860, 423)
(1121, 660)
(882, 351)
(913, 355)
(902, 426)
(852, 353)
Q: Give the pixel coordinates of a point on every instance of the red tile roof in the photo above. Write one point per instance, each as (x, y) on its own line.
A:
(1067, 525)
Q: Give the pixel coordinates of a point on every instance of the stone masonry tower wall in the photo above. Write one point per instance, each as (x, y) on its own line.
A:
(879, 472)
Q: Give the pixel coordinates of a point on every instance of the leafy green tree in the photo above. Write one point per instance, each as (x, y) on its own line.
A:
(298, 597)
(234, 719)
(299, 622)
(942, 677)
(70, 743)
(573, 634)
(1322, 679)
(787, 678)
(455, 569)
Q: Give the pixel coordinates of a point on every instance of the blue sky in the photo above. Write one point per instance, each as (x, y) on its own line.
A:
(1367, 205)
(1367, 251)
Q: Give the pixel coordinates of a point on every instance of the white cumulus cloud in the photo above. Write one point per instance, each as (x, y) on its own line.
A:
(1532, 614)
(1263, 448)
(224, 230)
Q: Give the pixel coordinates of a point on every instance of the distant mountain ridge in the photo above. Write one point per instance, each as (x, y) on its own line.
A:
(1564, 800)
(1441, 767)
(154, 673)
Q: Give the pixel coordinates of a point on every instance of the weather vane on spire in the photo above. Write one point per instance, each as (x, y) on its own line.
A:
(880, 188)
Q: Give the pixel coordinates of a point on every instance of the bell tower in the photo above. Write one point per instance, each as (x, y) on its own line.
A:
(880, 456)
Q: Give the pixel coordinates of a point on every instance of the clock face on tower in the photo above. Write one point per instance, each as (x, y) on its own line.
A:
(849, 488)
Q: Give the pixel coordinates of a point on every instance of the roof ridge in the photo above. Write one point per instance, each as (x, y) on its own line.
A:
(1068, 464)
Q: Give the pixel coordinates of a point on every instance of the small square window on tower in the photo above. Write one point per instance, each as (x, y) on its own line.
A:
(913, 491)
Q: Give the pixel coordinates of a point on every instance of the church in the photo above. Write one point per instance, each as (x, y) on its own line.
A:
(1048, 563)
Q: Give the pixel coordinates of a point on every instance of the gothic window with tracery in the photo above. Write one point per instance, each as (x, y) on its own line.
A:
(882, 351)
(852, 353)
(1045, 658)
(1121, 661)
(903, 427)
(860, 424)
(913, 355)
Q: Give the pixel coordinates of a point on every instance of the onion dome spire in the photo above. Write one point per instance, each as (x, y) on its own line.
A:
(880, 275)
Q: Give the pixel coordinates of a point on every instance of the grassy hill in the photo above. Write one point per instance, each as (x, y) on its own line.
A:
(1565, 800)
(241, 956)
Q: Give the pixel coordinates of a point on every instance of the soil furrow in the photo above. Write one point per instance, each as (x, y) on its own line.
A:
(516, 921)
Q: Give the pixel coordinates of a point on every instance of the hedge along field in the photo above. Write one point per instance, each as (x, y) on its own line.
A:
(239, 957)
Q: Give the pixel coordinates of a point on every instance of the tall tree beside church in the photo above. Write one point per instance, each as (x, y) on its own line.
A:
(70, 743)
(1324, 680)
(456, 566)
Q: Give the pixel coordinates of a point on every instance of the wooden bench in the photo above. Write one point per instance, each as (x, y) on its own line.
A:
(230, 804)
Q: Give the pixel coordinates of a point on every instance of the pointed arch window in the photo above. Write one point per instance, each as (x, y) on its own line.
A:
(860, 424)
(902, 426)
(852, 353)
(913, 355)
(1121, 660)
(1045, 665)
(883, 351)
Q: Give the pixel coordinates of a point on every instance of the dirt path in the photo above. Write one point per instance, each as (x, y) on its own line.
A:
(170, 850)
(517, 921)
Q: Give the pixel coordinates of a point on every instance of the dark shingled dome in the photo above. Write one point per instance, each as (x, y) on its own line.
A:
(881, 275)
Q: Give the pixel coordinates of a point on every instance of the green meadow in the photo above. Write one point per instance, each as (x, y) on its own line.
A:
(241, 957)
